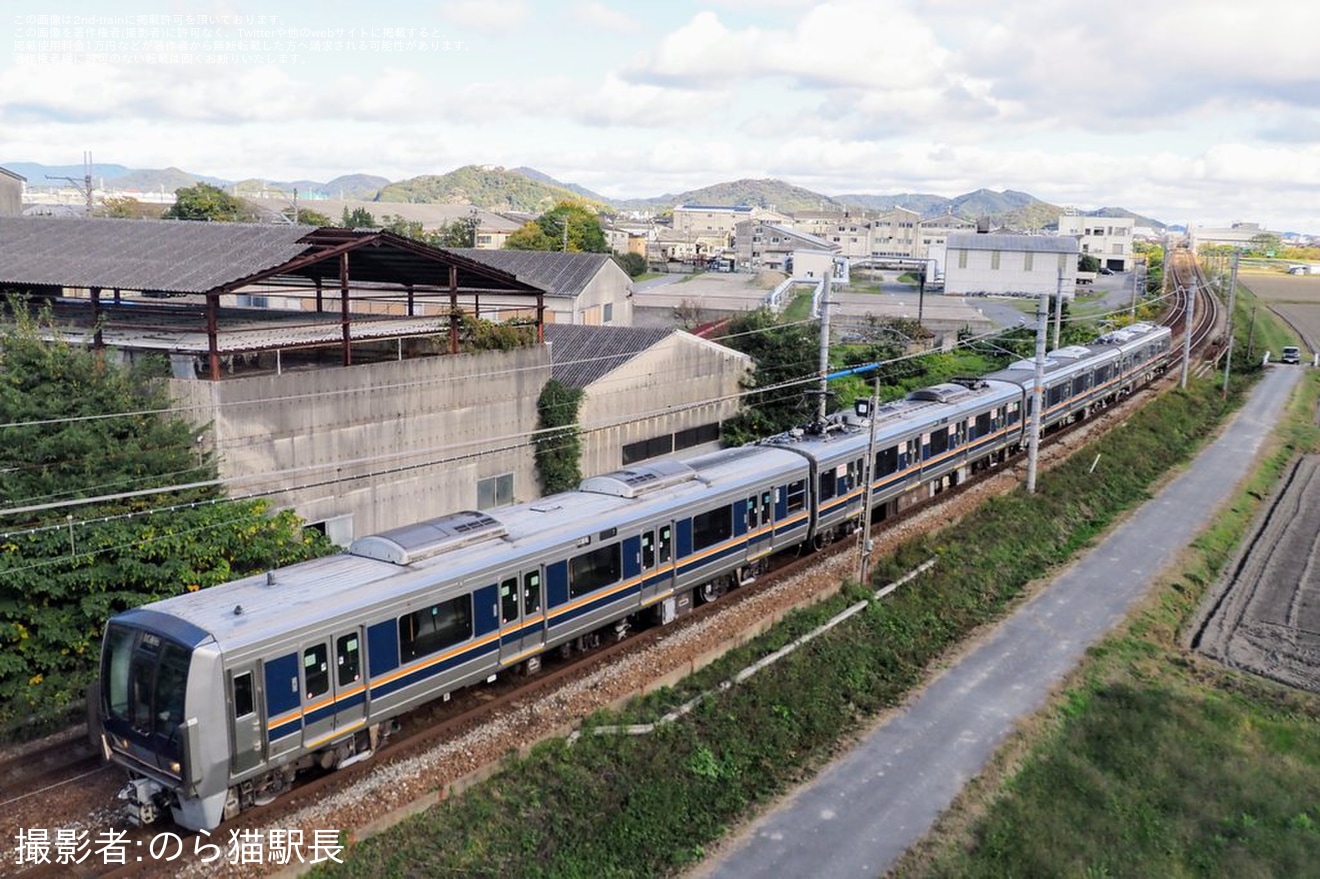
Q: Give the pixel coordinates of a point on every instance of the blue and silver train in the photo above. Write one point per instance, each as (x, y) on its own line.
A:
(215, 700)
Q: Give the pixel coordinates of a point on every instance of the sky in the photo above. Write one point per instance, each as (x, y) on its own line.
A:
(1186, 111)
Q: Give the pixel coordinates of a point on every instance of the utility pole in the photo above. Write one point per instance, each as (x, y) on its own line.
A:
(1232, 294)
(1058, 310)
(864, 550)
(824, 345)
(1187, 333)
(1251, 333)
(1037, 394)
(1138, 281)
(85, 185)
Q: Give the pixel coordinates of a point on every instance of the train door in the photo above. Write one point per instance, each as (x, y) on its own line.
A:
(648, 559)
(760, 524)
(245, 720)
(349, 684)
(522, 616)
(318, 699)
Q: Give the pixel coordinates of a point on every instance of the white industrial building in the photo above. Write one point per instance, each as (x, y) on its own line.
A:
(1008, 265)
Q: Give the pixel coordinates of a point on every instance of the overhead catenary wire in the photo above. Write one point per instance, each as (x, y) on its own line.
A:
(507, 443)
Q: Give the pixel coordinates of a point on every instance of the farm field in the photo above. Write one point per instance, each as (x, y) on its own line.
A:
(1294, 298)
(1267, 619)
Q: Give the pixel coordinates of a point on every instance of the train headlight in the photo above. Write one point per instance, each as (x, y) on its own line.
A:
(175, 768)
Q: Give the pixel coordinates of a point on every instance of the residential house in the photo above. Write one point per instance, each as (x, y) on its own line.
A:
(580, 288)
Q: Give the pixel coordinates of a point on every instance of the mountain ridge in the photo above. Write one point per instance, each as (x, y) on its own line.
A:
(528, 190)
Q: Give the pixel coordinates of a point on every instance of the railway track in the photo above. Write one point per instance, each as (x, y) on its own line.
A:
(1208, 313)
(470, 709)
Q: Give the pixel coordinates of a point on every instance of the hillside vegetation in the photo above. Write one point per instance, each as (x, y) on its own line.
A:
(495, 189)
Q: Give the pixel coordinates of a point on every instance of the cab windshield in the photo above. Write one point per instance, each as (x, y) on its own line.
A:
(145, 677)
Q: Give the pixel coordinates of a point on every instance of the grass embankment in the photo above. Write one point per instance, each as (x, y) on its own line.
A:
(1155, 761)
(641, 806)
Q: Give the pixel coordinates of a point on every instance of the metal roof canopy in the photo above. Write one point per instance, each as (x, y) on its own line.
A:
(217, 259)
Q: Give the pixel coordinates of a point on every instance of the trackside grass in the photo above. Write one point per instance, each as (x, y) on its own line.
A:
(1154, 761)
(646, 806)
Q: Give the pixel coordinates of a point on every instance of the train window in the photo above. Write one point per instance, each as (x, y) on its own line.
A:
(509, 600)
(648, 550)
(983, 426)
(592, 570)
(348, 658)
(828, 485)
(886, 462)
(244, 702)
(532, 592)
(1056, 395)
(939, 441)
(436, 627)
(711, 527)
(766, 507)
(796, 496)
(753, 520)
(171, 687)
(316, 671)
(666, 543)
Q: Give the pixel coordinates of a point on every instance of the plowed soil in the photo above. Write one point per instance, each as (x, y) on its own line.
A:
(1266, 619)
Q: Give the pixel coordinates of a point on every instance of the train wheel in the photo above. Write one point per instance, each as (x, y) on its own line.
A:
(713, 590)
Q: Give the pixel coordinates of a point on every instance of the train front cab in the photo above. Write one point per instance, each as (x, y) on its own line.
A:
(158, 715)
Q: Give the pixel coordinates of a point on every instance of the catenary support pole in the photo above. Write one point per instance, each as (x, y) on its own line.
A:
(1232, 296)
(1037, 394)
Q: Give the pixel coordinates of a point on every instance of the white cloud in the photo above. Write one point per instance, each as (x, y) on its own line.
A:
(597, 14)
(486, 16)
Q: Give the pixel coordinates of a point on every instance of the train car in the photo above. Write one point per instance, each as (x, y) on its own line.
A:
(933, 438)
(215, 700)
(1081, 378)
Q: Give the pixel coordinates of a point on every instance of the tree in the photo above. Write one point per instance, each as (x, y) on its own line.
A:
(781, 353)
(358, 218)
(124, 206)
(529, 236)
(406, 228)
(567, 226)
(61, 578)
(309, 217)
(206, 202)
(1265, 244)
(1087, 263)
(632, 263)
(460, 233)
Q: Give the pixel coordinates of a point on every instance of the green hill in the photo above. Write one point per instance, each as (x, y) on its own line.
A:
(495, 189)
(766, 193)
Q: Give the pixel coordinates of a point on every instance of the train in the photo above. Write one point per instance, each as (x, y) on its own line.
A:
(214, 701)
